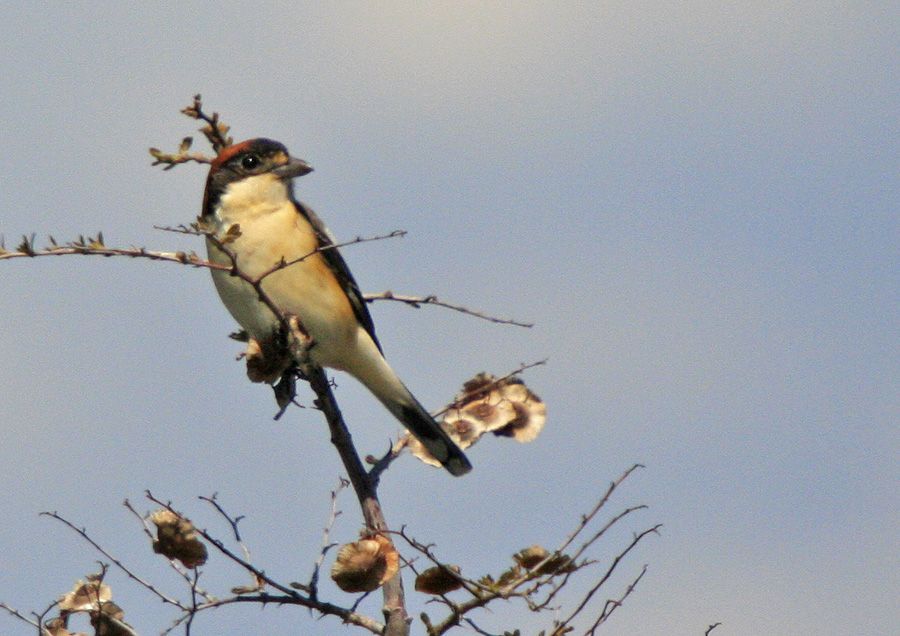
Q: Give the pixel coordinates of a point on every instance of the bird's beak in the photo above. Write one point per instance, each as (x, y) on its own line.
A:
(293, 168)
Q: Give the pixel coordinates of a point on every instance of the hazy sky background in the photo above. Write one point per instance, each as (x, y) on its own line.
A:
(695, 202)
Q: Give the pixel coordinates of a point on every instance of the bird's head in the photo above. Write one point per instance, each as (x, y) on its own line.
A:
(252, 166)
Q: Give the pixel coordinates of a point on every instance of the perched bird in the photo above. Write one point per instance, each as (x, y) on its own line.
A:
(249, 204)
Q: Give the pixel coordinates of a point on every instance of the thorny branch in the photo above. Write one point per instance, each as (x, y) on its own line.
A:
(84, 535)
(191, 581)
(233, 522)
(288, 596)
(312, 588)
(215, 131)
(418, 301)
(613, 604)
(12, 611)
(548, 575)
(95, 246)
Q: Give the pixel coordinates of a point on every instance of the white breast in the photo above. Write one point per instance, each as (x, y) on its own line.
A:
(271, 229)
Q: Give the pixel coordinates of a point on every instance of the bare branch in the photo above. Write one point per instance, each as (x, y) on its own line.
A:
(586, 519)
(312, 588)
(526, 582)
(612, 567)
(418, 301)
(233, 522)
(289, 596)
(710, 628)
(90, 247)
(95, 247)
(84, 535)
(612, 605)
(191, 581)
(215, 131)
(170, 160)
(14, 612)
(557, 586)
(264, 598)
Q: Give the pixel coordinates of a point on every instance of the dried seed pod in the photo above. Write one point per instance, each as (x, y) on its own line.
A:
(365, 565)
(438, 580)
(176, 538)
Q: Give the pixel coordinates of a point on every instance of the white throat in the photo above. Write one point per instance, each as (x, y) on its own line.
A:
(248, 199)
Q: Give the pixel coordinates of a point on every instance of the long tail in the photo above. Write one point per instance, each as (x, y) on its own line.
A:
(375, 373)
(417, 420)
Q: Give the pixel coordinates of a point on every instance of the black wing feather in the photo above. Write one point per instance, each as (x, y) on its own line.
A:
(337, 264)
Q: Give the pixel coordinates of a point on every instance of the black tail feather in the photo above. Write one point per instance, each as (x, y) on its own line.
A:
(417, 420)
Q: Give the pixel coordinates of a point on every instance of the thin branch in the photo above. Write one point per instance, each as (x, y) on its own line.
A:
(172, 563)
(612, 567)
(586, 519)
(195, 230)
(170, 160)
(14, 612)
(224, 550)
(587, 544)
(84, 535)
(710, 628)
(216, 132)
(613, 604)
(289, 596)
(312, 588)
(418, 301)
(264, 598)
(97, 249)
(484, 388)
(233, 522)
(515, 581)
(92, 247)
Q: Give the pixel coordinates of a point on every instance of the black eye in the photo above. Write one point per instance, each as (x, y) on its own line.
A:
(250, 162)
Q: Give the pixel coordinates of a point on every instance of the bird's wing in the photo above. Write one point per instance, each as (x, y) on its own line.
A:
(337, 265)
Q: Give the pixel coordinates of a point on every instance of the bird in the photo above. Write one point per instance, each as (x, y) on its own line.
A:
(257, 225)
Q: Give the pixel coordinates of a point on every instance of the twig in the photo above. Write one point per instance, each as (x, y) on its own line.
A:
(14, 612)
(596, 536)
(215, 131)
(289, 596)
(637, 538)
(483, 388)
(313, 586)
(233, 522)
(91, 247)
(172, 563)
(613, 604)
(195, 230)
(228, 553)
(83, 534)
(710, 628)
(98, 249)
(482, 594)
(586, 519)
(264, 598)
(418, 301)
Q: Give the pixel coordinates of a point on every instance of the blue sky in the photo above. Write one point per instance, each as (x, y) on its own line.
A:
(696, 203)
